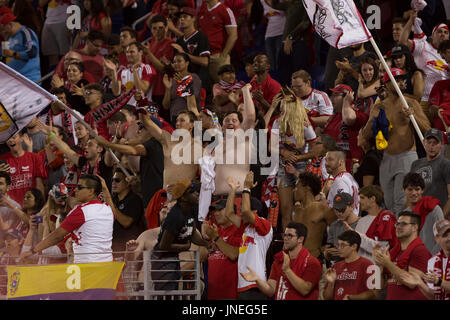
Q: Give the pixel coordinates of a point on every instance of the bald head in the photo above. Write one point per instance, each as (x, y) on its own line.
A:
(72, 57)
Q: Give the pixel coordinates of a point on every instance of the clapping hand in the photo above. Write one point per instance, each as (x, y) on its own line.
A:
(330, 275)
(250, 276)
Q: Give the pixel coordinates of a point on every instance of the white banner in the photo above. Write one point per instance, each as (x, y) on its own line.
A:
(337, 21)
(20, 101)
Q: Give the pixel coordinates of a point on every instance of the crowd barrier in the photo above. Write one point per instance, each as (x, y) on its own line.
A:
(135, 281)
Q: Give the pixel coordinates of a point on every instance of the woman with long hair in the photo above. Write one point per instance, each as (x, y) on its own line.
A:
(369, 80)
(414, 77)
(296, 139)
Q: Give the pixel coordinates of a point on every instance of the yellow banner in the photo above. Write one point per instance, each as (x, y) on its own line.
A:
(68, 278)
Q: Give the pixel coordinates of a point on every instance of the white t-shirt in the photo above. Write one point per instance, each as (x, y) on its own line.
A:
(146, 73)
(318, 101)
(91, 225)
(430, 62)
(253, 250)
(276, 20)
(56, 12)
(344, 182)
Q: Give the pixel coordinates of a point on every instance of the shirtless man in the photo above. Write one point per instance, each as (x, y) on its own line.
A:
(315, 215)
(232, 122)
(401, 150)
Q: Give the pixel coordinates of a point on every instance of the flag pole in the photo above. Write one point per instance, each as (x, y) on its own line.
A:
(397, 88)
(125, 171)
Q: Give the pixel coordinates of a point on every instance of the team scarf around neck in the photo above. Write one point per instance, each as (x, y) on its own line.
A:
(404, 257)
(66, 119)
(439, 293)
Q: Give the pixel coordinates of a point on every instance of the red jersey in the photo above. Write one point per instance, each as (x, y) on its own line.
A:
(222, 272)
(269, 88)
(418, 260)
(159, 50)
(352, 278)
(23, 171)
(346, 137)
(440, 96)
(213, 23)
(308, 268)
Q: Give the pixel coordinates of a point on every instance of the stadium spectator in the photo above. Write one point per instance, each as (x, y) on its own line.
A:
(317, 103)
(227, 91)
(127, 36)
(218, 23)
(95, 17)
(435, 169)
(90, 224)
(26, 168)
(378, 226)
(7, 215)
(368, 80)
(22, 53)
(400, 151)
(295, 273)
(160, 54)
(414, 77)
(427, 207)
(55, 35)
(180, 86)
(368, 172)
(348, 279)
(409, 256)
(264, 88)
(256, 237)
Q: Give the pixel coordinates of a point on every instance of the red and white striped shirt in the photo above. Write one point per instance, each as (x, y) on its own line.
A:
(344, 182)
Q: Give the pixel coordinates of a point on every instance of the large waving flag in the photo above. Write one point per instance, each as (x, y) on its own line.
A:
(20, 101)
(85, 281)
(337, 21)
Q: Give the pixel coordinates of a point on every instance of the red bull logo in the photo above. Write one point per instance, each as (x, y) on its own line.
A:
(246, 240)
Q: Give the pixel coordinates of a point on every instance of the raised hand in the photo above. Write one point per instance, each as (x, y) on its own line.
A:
(233, 185)
(248, 182)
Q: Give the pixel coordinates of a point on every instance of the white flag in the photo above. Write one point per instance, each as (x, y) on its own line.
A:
(20, 101)
(337, 21)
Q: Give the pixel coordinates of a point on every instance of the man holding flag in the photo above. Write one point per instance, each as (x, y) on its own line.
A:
(342, 26)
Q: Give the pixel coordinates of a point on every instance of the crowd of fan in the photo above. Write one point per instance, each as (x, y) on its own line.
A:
(357, 208)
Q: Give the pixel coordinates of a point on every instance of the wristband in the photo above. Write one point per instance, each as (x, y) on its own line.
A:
(246, 190)
(51, 135)
(216, 238)
(439, 283)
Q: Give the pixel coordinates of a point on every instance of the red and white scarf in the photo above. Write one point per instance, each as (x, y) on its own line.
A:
(66, 120)
(442, 268)
(229, 87)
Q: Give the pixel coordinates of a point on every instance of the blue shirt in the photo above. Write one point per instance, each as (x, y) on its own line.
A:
(26, 43)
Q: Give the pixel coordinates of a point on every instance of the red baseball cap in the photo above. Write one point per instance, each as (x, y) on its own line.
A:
(396, 72)
(188, 10)
(342, 88)
(7, 18)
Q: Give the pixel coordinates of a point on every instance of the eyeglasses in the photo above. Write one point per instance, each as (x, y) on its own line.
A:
(80, 187)
(402, 224)
(288, 235)
(117, 180)
(342, 245)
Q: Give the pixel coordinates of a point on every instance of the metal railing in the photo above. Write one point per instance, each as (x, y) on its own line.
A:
(136, 281)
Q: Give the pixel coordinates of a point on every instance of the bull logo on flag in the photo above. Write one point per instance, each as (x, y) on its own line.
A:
(5, 119)
(14, 283)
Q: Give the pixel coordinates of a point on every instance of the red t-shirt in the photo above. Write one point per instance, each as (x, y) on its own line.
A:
(312, 273)
(440, 96)
(418, 260)
(346, 136)
(23, 171)
(269, 88)
(213, 23)
(351, 278)
(222, 272)
(159, 50)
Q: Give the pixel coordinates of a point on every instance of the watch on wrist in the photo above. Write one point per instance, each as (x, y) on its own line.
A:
(290, 37)
(246, 190)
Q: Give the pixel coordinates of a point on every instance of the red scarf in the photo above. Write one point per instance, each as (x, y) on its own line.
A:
(424, 207)
(383, 228)
(404, 257)
(153, 208)
(229, 87)
(441, 269)
(298, 265)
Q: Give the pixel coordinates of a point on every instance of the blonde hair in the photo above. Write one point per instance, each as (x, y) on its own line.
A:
(294, 118)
